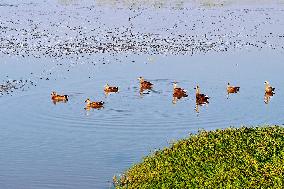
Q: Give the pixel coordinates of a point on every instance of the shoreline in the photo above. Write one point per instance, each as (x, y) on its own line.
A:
(231, 157)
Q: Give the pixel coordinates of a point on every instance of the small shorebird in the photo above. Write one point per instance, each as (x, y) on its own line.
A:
(268, 87)
(145, 84)
(96, 105)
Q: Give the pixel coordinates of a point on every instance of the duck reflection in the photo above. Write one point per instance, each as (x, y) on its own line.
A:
(59, 101)
(267, 97)
(200, 103)
(143, 92)
(175, 100)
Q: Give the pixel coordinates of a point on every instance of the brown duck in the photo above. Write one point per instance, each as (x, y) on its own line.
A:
(201, 98)
(268, 87)
(232, 89)
(145, 84)
(57, 97)
(110, 89)
(179, 92)
(96, 105)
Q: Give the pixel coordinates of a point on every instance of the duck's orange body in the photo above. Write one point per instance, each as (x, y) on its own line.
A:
(179, 92)
(110, 89)
(57, 97)
(201, 98)
(145, 84)
(96, 105)
(268, 87)
(232, 89)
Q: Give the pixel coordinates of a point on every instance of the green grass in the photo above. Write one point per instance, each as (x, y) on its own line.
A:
(231, 158)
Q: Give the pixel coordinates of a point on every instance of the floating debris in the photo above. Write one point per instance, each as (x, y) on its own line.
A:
(9, 86)
(145, 31)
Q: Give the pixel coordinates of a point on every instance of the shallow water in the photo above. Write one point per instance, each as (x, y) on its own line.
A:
(64, 146)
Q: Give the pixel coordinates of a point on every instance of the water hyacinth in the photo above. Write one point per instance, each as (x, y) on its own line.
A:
(230, 158)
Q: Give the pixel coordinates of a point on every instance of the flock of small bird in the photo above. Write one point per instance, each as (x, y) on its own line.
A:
(178, 93)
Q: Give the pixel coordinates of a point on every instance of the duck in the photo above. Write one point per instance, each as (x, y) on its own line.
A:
(179, 92)
(110, 89)
(57, 97)
(201, 98)
(232, 89)
(96, 105)
(268, 87)
(145, 84)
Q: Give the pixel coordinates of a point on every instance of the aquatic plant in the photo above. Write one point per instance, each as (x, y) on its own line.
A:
(229, 158)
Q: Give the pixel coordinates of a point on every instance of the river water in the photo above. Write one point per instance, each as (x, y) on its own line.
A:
(75, 48)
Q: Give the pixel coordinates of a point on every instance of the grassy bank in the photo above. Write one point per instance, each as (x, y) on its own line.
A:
(233, 158)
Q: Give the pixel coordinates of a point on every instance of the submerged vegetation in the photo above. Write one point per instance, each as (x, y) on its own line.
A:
(233, 157)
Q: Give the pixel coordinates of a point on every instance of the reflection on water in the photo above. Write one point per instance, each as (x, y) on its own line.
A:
(58, 101)
(199, 104)
(268, 96)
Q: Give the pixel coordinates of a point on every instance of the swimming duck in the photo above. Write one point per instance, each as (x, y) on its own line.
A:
(56, 97)
(96, 105)
(109, 89)
(179, 92)
(201, 98)
(268, 88)
(232, 89)
(145, 84)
